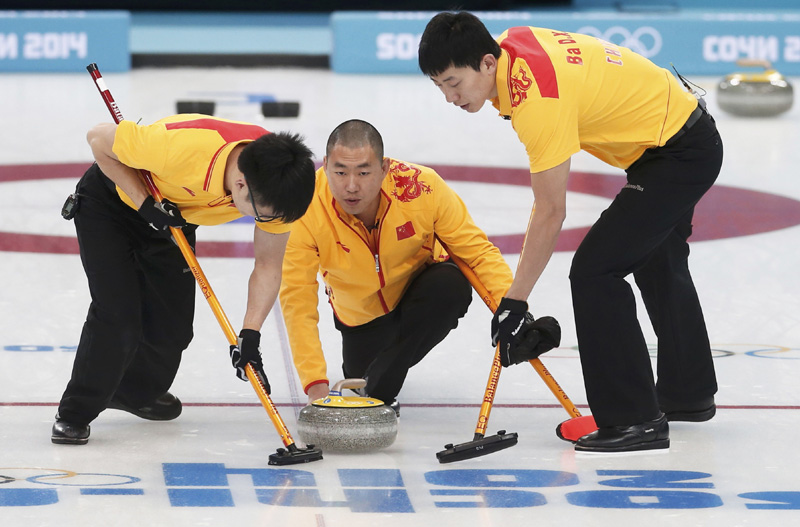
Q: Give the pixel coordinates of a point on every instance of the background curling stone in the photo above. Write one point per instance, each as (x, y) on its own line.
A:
(347, 424)
(280, 109)
(759, 94)
(203, 107)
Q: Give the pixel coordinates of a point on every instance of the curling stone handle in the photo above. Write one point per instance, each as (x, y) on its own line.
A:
(348, 384)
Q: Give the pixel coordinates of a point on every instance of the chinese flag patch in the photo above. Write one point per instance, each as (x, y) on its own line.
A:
(406, 230)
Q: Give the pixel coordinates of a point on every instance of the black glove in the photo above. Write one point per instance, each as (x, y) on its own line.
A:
(535, 337)
(507, 322)
(161, 216)
(249, 352)
(522, 338)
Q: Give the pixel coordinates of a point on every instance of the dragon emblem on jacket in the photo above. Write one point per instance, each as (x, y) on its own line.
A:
(519, 83)
(407, 185)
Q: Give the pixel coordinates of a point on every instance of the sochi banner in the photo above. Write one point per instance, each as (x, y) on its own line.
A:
(696, 42)
(63, 41)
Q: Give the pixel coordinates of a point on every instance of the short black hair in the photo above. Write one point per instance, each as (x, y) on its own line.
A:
(356, 133)
(280, 174)
(455, 39)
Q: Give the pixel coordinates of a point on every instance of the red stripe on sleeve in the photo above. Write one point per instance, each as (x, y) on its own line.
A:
(207, 181)
(228, 131)
(521, 43)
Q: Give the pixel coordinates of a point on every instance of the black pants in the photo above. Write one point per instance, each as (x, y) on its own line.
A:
(142, 309)
(644, 232)
(384, 349)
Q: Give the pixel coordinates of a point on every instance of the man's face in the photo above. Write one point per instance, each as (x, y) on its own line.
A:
(467, 88)
(355, 176)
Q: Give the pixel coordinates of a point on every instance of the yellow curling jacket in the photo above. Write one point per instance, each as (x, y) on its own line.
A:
(366, 272)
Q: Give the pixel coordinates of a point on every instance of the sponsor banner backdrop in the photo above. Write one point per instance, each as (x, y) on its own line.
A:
(64, 41)
(696, 42)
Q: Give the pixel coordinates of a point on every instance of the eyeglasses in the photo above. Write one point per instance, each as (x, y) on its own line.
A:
(259, 218)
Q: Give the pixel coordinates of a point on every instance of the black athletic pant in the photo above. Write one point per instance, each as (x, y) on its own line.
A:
(383, 350)
(644, 232)
(142, 309)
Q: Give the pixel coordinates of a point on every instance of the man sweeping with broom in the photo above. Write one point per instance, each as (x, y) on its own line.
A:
(210, 171)
(565, 92)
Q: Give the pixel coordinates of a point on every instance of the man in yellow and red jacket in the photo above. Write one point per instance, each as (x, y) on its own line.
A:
(370, 231)
(209, 171)
(566, 92)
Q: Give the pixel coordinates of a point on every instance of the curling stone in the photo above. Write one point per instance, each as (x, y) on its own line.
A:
(203, 107)
(760, 94)
(347, 424)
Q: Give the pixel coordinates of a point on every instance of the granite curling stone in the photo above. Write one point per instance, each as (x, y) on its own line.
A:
(347, 424)
(760, 94)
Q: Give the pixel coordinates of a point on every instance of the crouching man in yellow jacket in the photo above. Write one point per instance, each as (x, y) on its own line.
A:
(369, 232)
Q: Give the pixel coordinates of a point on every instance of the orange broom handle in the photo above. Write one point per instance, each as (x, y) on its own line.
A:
(497, 367)
(225, 324)
(488, 299)
(488, 395)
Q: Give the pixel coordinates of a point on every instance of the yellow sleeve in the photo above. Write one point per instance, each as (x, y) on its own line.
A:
(143, 147)
(299, 297)
(549, 130)
(454, 225)
(274, 227)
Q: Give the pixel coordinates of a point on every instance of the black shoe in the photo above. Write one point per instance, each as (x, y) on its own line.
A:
(396, 407)
(165, 408)
(650, 435)
(696, 412)
(65, 433)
